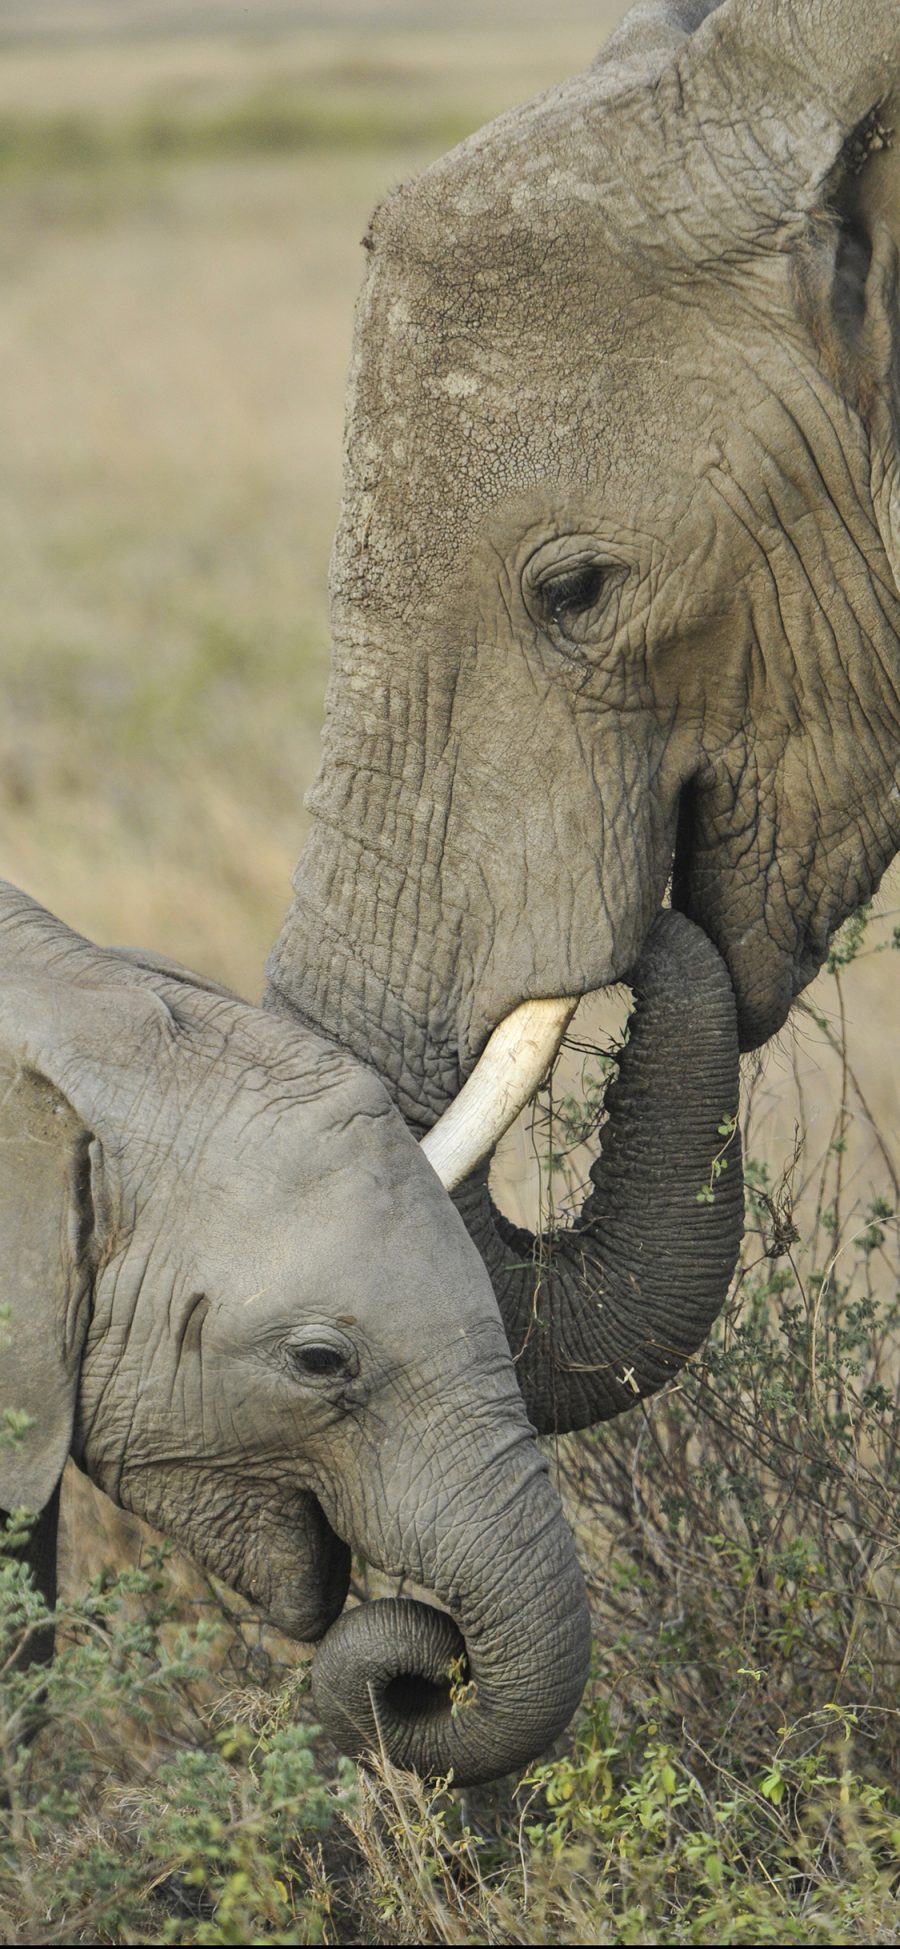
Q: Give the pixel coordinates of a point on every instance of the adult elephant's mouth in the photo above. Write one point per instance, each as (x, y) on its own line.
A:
(514, 1063)
(622, 1299)
(522, 1049)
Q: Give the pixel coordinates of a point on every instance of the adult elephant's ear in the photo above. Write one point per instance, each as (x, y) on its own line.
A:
(752, 101)
(780, 120)
(47, 1239)
(802, 99)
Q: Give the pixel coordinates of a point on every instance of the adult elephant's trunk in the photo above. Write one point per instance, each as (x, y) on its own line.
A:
(484, 1690)
(610, 1310)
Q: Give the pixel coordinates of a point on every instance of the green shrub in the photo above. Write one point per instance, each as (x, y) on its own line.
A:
(130, 1818)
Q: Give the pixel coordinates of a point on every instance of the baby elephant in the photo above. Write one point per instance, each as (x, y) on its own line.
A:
(236, 1292)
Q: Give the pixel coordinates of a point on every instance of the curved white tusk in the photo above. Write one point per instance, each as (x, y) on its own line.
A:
(511, 1067)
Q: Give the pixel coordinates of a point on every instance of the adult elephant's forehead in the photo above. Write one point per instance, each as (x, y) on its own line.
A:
(450, 424)
(536, 347)
(580, 149)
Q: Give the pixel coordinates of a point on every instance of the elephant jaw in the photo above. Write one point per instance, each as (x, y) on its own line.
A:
(511, 1068)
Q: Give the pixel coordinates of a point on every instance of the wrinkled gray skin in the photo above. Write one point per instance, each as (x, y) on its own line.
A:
(239, 1296)
(615, 583)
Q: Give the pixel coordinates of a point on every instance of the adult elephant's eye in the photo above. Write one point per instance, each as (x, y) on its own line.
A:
(568, 596)
(565, 584)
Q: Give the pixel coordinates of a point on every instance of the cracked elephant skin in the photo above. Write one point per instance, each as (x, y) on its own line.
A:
(614, 589)
(234, 1289)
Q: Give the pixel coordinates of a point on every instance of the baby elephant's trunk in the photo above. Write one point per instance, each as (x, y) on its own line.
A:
(484, 1690)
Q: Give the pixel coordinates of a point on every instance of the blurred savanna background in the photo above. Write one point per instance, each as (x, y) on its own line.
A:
(183, 188)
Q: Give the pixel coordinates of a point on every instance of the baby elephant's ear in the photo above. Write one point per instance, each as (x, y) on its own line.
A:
(46, 1238)
(78, 1029)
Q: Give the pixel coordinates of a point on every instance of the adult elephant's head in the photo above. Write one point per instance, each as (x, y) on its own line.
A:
(233, 1287)
(614, 582)
(614, 585)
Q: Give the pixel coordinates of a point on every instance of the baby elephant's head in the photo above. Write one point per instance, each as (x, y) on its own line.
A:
(236, 1291)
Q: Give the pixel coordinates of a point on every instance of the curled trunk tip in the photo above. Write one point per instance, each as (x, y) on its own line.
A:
(395, 1676)
(383, 1670)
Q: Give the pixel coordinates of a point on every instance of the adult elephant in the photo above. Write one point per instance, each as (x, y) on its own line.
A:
(615, 593)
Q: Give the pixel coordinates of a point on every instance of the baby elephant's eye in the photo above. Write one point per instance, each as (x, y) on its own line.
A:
(319, 1360)
(320, 1352)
